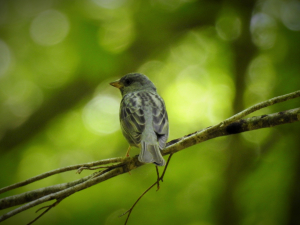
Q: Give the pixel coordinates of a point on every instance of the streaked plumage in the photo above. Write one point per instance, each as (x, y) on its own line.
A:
(143, 117)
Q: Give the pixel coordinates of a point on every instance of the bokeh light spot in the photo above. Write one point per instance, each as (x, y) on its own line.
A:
(229, 27)
(49, 28)
(195, 49)
(114, 27)
(264, 30)
(100, 115)
(261, 80)
(290, 15)
(262, 75)
(25, 97)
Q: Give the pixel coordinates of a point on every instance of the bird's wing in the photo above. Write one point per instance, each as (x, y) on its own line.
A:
(160, 120)
(132, 118)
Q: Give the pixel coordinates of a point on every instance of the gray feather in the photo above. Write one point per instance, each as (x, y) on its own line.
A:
(151, 154)
(144, 119)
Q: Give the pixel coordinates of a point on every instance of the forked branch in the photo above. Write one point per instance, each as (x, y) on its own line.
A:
(116, 166)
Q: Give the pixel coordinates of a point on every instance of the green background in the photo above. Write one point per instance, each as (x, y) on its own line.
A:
(208, 60)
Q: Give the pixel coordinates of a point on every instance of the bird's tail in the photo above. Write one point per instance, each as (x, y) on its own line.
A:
(150, 153)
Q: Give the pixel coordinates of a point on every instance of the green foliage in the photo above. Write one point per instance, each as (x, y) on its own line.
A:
(208, 59)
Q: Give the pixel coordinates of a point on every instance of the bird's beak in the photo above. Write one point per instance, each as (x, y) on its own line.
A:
(116, 84)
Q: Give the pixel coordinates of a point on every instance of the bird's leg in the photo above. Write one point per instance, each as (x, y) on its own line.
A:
(128, 150)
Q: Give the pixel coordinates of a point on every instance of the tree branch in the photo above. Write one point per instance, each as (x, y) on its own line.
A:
(261, 105)
(60, 170)
(243, 125)
(38, 193)
(124, 165)
(64, 193)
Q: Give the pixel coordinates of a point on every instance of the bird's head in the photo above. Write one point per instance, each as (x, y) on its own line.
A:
(133, 82)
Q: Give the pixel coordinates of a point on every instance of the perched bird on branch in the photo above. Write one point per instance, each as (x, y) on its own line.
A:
(143, 117)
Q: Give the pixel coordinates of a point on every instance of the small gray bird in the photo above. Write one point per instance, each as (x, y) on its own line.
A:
(143, 117)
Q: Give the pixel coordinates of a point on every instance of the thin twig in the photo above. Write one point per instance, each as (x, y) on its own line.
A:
(157, 173)
(163, 174)
(64, 193)
(29, 196)
(38, 193)
(43, 213)
(148, 189)
(60, 170)
(253, 123)
(108, 168)
(99, 167)
(288, 116)
(248, 111)
(197, 137)
(259, 106)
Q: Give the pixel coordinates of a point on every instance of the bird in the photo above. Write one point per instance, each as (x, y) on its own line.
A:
(143, 117)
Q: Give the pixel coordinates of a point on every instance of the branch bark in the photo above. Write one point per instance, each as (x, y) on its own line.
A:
(243, 125)
(232, 125)
(60, 170)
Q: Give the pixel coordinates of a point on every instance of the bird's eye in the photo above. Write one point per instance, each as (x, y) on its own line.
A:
(127, 82)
